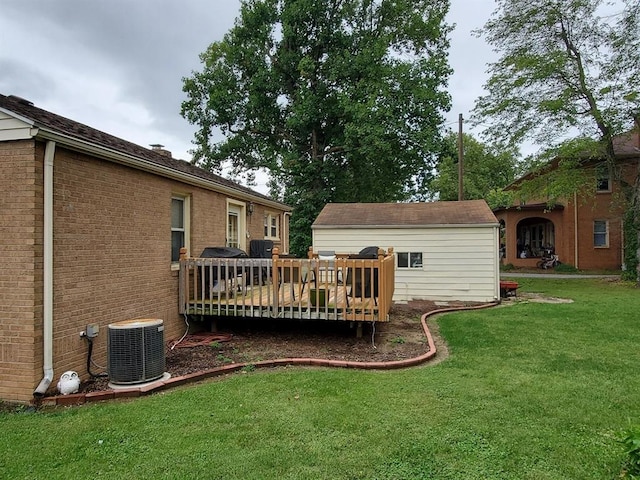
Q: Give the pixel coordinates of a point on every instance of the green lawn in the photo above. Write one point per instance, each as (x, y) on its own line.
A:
(530, 391)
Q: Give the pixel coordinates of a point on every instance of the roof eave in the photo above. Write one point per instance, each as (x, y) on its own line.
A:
(414, 227)
(151, 167)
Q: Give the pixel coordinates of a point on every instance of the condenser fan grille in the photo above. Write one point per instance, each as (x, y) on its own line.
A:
(136, 351)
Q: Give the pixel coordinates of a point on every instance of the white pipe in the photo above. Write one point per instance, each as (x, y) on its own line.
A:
(47, 324)
(285, 233)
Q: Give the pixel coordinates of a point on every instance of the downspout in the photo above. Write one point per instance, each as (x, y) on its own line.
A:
(47, 324)
(287, 219)
(575, 230)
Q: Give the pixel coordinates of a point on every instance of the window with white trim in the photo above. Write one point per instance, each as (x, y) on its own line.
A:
(179, 226)
(409, 259)
(271, 226)
(600, 233)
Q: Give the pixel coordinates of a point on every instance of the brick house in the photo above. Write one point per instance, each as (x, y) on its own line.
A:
(91, 231)
(585, 231)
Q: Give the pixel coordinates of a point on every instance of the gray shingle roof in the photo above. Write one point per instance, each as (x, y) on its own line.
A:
(467, 212)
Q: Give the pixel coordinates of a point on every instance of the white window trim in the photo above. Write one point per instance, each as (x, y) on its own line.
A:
(242, 222)
(270, 216)
(606, 233)
(186, 217)
(409, 267)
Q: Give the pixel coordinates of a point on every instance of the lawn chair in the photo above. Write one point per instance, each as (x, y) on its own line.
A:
(327, 260)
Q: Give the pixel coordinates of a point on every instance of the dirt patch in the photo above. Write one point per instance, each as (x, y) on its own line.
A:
(538, 298)
(253, 340)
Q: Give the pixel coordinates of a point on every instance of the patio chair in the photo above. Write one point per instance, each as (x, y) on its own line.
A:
(327, 261)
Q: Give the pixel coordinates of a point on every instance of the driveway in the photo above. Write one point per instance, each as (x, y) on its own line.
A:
(555, 275)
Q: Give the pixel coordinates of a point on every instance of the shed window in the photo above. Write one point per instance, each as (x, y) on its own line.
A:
(410, 260)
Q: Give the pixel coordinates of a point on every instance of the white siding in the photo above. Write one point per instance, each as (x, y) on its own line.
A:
(13, 129)
(459, 263)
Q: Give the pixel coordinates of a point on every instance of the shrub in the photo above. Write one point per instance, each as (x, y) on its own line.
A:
(565, 268)
(631, 444)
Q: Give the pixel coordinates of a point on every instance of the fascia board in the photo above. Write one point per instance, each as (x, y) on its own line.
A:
(13, 114)
(405, 227)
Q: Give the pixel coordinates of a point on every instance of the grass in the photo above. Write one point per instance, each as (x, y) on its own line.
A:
(530, 391)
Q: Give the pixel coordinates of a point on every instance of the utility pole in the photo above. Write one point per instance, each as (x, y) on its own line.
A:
(460, 160)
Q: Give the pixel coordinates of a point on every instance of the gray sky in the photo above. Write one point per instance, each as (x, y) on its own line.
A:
(117, 65)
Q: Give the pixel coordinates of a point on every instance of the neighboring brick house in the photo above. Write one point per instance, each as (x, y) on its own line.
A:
(91, 231)
(585, 231)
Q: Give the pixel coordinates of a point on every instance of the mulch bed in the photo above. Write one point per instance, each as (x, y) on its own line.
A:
(252, 340)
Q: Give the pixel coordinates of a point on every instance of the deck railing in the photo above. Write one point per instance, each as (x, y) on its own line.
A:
(344, 288)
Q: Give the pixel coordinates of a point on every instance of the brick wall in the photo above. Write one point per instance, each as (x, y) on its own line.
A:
(608, 206)
(112, 248)
(21, 272)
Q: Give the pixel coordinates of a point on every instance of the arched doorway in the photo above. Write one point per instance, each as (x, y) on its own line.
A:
(535, 235)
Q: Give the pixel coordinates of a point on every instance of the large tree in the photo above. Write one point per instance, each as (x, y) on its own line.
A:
(566, 69)
(487, 169)
(339, 100)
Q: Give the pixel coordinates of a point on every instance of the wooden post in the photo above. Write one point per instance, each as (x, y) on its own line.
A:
(382, 285)
(275, 274)
(183, 282)
(310, 253)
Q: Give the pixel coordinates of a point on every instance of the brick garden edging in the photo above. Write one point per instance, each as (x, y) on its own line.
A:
(134, 392)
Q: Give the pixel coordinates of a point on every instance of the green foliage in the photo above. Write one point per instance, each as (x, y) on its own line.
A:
(565, 268)
(631, 229)
(487, 169)
(338, 101)
(398, 340)
(631, 444)
(223, 358)
(564, 67)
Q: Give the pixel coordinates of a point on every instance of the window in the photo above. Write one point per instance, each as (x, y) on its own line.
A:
(603, 182)
(410, 260)
(271, 226)
(179, 226)
(600, 233)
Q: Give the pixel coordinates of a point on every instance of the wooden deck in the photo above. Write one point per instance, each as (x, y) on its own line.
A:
(352, 289)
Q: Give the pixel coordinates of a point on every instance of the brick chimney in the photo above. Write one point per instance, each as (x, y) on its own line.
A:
(156, 147)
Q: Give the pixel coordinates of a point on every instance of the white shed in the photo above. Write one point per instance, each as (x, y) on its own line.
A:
(444, 250)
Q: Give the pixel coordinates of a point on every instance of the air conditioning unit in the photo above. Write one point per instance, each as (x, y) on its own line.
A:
(136, 352)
